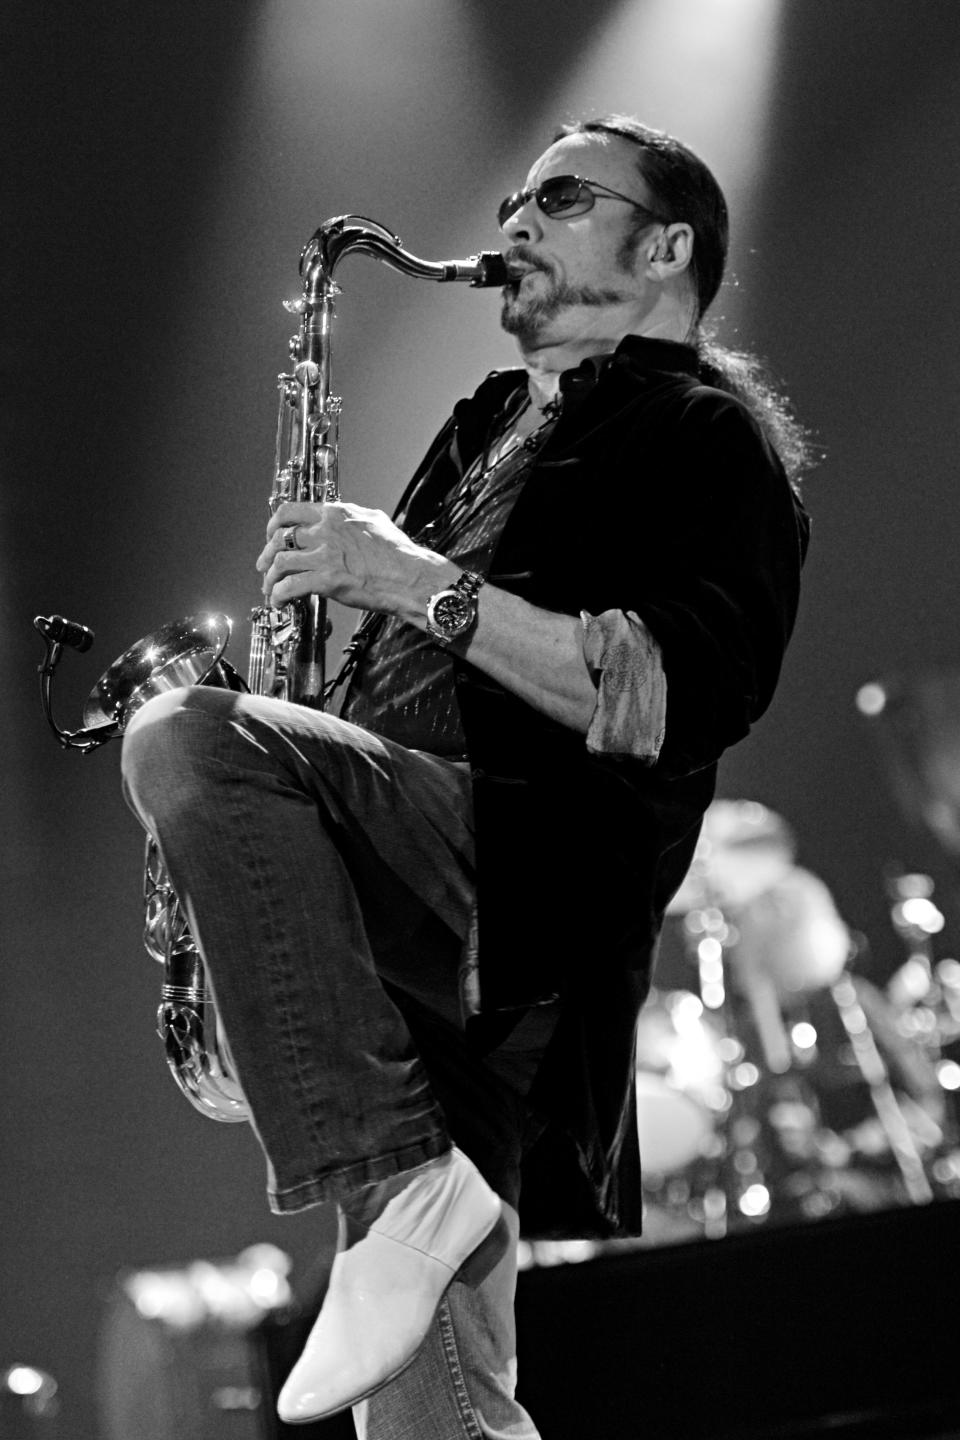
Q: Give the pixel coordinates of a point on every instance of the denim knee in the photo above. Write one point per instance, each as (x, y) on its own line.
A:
(164, 749)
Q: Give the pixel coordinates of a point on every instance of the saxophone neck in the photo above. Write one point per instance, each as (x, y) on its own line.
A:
(337, 237)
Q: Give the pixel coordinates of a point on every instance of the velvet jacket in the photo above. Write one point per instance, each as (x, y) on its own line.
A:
(660, 495)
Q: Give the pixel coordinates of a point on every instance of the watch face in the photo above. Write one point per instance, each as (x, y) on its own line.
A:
(451, 613)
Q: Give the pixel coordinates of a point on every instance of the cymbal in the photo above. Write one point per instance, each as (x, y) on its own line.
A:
(792, 934)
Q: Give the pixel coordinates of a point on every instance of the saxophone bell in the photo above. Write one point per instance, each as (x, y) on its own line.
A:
(185, 652)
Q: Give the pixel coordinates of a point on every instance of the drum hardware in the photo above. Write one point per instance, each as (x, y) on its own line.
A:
(772, 989)
(925, 994)
(903, 1146)
(916, 920)
(701, 1138)
(915, 721)
(680, 1081)
(759, 931)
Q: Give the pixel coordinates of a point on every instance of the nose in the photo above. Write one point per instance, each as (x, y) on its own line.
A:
(523, 226)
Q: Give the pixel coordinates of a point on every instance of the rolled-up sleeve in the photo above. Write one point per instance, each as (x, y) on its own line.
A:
(625, 663)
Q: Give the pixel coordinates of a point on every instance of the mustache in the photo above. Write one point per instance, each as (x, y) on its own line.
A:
(520, 258)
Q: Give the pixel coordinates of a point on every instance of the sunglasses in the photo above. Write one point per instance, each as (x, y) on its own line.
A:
(566, 195)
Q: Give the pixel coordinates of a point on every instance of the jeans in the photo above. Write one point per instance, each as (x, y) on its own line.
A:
(327, 875)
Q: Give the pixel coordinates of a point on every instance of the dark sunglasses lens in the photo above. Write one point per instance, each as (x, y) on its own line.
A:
(564, 195)
(510, 206)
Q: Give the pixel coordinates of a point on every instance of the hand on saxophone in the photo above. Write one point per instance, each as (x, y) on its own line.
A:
(351, 554)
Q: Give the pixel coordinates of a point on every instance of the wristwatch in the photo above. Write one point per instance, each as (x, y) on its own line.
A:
(451, 613)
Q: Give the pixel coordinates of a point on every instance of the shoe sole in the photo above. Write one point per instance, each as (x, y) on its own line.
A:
(487, 1255)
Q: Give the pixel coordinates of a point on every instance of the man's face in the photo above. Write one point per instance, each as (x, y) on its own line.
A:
(567, 273)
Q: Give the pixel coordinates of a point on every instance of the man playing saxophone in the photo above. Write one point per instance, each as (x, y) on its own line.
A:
(430, 919)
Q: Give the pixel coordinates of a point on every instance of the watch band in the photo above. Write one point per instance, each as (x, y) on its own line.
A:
(468, 584)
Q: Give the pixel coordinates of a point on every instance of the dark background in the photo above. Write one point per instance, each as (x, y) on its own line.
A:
(164, 164)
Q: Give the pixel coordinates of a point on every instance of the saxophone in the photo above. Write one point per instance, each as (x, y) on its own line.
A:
(287, 644)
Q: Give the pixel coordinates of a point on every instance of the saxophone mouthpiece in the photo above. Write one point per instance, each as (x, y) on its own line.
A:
(492, 269)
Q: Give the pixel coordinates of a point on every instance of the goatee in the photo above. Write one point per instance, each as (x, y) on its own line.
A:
(529, 317)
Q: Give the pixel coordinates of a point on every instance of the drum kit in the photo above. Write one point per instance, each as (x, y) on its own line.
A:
(774, 1084)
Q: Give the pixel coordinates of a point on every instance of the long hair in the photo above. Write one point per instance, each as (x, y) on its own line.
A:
(683, 188)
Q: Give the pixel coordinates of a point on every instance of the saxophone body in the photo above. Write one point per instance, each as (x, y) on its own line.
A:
(287, 644)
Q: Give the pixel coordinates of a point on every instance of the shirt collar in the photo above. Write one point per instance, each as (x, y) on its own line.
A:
(637, 353)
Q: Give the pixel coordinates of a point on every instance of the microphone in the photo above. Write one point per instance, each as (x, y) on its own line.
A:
(66, 632)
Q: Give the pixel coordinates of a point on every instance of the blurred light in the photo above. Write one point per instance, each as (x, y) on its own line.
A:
(692, 1053)
(844, 992)
(236, 1397)
(524, 1255)
(946, 1169)
(717, 1098)
(855, 1021)
(922, 914)
(948, 973)
(266, 1287)
(924, 1022)
(713, 996)
(554, 1252)
(234, 1292)
(911, 982)
(913, 884)
(745, 1130)
(37, 1399)
(871, 699)
(24, 1380)
(709, 950)
(714, 1203)
(948, 1073)
(686, 1010)
(755, 1201)
(803, 1035)
(817, 1204)
(746, 1075)
(169, 1297)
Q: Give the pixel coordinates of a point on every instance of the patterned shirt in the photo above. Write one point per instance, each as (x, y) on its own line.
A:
(403, 687)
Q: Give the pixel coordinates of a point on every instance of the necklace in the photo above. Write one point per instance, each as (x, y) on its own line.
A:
(513, 436)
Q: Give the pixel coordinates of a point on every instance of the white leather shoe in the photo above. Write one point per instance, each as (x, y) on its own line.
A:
(401, 1244)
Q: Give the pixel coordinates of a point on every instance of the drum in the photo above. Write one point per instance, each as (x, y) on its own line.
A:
(743, 849)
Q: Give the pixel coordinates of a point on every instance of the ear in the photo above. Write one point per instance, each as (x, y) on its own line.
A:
(672, 251)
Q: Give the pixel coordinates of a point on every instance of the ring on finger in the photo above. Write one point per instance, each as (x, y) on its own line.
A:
(290, 537)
